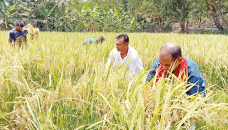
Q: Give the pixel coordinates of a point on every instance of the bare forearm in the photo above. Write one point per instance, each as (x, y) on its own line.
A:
(10, 41)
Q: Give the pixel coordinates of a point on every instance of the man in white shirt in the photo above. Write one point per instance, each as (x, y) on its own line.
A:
(124, 55)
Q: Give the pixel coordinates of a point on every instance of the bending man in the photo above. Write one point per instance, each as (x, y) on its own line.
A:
(171, 59)
(18, 34)
(98, 40)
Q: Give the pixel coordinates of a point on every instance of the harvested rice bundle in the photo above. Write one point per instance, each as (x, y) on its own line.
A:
(34, 32)
(20, 41)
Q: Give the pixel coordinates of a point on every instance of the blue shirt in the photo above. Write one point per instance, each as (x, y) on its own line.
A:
(13, 34)
(194, 76)
(90, 40)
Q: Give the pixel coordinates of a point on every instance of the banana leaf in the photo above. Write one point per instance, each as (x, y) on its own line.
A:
(9, 11)
(42, 10)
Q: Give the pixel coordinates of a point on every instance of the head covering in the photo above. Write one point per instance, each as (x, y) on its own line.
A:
(20, 23)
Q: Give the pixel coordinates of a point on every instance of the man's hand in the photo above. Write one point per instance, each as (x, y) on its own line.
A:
(10, 41)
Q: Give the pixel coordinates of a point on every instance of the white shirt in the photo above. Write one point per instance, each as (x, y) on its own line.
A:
(135, 65)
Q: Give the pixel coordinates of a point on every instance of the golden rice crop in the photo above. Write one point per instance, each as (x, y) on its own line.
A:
(55, 83)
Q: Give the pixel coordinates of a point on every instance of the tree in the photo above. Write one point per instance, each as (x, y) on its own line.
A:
(63, 22)
(199, 11)
(150, 15)
(216, 12)
(176, 11)
(9, 13)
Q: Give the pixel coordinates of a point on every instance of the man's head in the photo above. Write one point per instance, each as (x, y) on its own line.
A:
(122, 42)
(19, 25)
(170, 56)
(100, 39)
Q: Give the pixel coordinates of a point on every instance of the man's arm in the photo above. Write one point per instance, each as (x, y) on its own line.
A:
(152, 71)
(10, 41)
(11, 38)
(84, 42)
(195, 76)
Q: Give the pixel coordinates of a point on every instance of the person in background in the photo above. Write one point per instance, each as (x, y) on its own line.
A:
(171, 59)
(98, 40)
(18, 35)
(125, 56)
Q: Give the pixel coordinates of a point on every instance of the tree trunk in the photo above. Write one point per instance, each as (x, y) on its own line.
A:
(6, 23)
(46, 25)
(223, 19)
(186, 27)
(214, 14)
(182, 25)
(216, 19)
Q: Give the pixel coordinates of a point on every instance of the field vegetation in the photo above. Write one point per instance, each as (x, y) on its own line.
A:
(55, 83)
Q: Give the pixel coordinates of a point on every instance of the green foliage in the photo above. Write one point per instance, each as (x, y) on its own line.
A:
(176, 10)
(97, 19)
(198, 10)
(9, 13)
(107, 15)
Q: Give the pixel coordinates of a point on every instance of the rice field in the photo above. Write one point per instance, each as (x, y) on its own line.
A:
(55, 83)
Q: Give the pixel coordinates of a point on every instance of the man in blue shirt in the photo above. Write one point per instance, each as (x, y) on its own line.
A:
(18, 35)
(91, 40)
(171, 59)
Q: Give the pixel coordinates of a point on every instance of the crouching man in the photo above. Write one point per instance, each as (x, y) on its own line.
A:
(125, 56)
(98, 40)
(171, 59)
(18, 35)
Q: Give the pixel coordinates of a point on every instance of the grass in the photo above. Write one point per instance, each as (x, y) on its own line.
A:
(55, 83)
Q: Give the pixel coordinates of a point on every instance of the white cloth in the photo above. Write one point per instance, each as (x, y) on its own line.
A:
(135, 65)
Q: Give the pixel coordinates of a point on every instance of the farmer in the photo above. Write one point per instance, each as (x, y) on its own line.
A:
(171, 59)
(18, 34)
(91, 40)
(125, 56)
